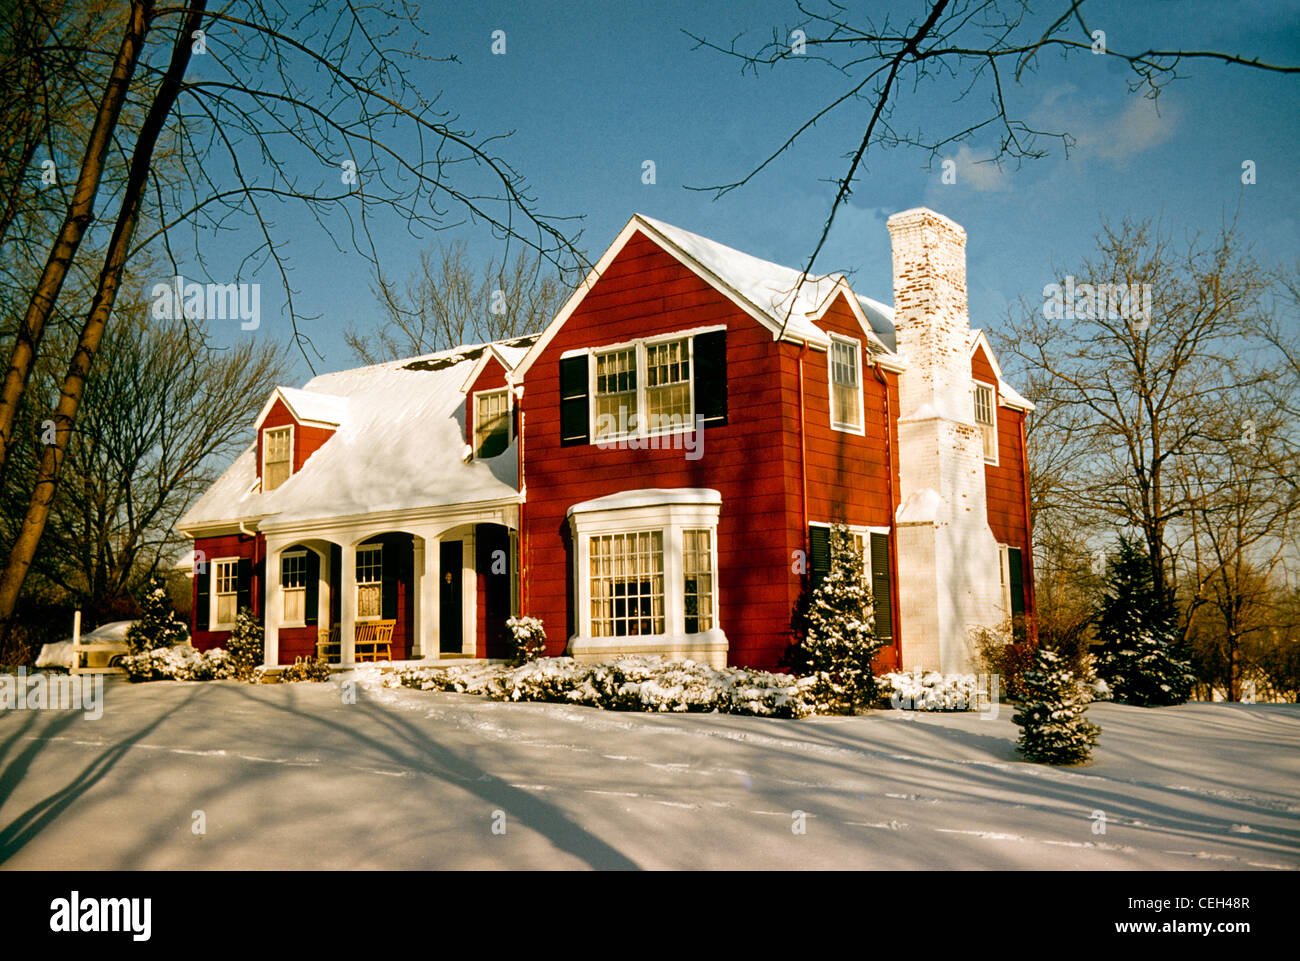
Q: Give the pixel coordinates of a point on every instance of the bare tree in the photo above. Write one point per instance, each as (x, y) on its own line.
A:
(158, 423)
(306, 106)
(1134, 357)
(446, 302)
(892, 69)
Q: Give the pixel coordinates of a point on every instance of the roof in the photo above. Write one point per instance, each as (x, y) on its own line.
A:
(1008, 395)
(385, 456)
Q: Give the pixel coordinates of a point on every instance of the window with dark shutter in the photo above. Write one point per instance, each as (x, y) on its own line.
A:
(201, 595)
(574, 428)
(819, 553)
(880, 587)
(711, 377)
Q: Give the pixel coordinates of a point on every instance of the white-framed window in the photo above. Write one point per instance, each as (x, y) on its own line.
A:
(615, 395)
(277, 456)
(668, 385)
(646, 575)
(697, 571)
(986, 418)
(225, 593)
(643, 389)
(491, 422)
(293, 586)
(1004, 570)
(627, 583)
(370, 582)
(845, 358)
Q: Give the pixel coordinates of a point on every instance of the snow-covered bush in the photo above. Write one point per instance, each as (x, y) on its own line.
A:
(631, 683)
(834, 625)
(305, 669)
(178, 663)
(246, 644)
(528, 637)
(932, 691)
(1053, 726)
(158, 625)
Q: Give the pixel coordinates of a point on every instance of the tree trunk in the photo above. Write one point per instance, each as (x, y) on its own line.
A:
(78, 219)
(92, 332)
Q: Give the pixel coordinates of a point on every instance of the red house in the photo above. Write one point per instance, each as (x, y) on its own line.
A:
(656, 472)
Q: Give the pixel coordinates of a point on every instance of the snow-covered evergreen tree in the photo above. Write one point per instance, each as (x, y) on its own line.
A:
(247, 643)
(835, 624)
(1053, 725)
(1139, 655)
(158, 626)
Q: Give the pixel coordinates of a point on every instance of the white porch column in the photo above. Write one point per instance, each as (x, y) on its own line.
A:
(418, 633)
(426, 598)
(348, 607)
(273, 607)
(469, 595)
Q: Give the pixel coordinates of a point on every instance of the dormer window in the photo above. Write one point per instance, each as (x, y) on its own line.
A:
(277, 457)
(491, 423)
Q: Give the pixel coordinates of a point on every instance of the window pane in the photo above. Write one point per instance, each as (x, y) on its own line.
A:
(615, 401)
(295, 599)
(846, 390)
(225, 608)
(697, 565)
(368, 600)
(668, 386)
(491, 424)
(275, 458)
(627, 584)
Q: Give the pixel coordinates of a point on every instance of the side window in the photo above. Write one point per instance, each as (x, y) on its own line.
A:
(277, 451)
(986, 418)
(846, 385)
(491, 423)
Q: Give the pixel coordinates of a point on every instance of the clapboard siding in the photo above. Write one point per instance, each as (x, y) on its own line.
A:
(307, 439)
(209, 549)
(645, 292)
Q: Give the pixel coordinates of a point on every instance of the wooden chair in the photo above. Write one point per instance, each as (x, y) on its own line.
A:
(374, 641)
(327, 645)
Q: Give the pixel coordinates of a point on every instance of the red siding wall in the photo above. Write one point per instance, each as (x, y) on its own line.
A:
(1005, 481)
(214, 548)
(752, 461)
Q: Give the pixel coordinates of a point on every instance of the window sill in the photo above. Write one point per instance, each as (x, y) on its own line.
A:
(848, 429)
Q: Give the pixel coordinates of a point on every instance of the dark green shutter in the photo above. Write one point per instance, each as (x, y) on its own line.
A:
(819, 553)
(880, 588)
(388, 589)
(201, 579)
(711, 377)
(574, 428)
(1016, 572)
(311, 599)
(244, 588)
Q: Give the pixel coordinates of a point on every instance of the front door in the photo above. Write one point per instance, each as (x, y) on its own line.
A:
(449, 603)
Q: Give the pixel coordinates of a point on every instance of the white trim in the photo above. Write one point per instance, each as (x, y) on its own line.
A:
(641, 347)
(1004, 566)
(294, 552)
(293, 411)
(356, 559)
(993, 412)
(265, 446)
(1007, 395)
(861, 429)
(490, 351)
(213, 624)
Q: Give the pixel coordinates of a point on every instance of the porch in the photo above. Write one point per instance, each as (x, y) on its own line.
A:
(395, 590)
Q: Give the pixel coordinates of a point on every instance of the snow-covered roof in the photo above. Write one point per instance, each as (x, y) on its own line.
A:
(401, 445)
(648, 497)
(772, 288)
(307, 407)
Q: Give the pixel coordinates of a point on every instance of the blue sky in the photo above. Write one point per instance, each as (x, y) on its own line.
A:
(591, 90)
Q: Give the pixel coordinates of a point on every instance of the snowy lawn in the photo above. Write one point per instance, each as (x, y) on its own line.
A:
(292, 776)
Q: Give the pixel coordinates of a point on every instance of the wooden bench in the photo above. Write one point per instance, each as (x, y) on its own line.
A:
(327, 645)
(375, 641)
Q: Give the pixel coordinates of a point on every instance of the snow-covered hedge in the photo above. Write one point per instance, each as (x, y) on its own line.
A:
(631, 683)
(932, 691)
(179, 663)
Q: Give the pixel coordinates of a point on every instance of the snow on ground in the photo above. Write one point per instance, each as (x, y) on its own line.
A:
(292, 776)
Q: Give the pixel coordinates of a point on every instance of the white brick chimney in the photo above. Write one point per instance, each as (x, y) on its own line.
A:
(949, 575)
